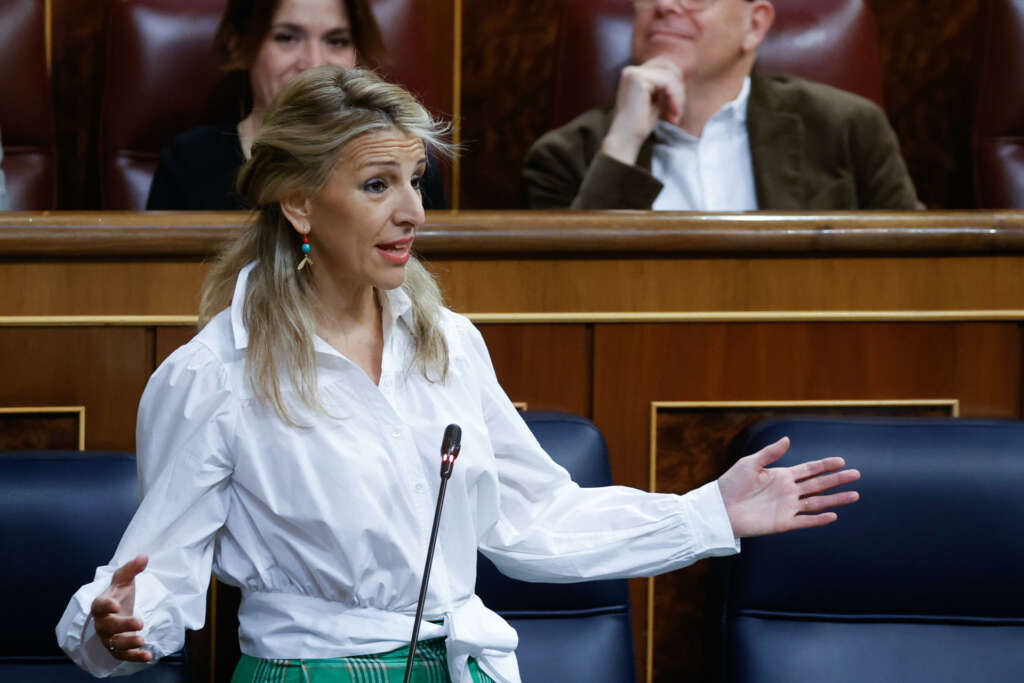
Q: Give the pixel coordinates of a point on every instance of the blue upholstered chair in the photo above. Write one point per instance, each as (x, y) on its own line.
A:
(61, 516)
(922, 580)
(591, 620)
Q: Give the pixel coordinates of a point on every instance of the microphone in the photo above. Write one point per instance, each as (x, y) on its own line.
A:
(451, 444)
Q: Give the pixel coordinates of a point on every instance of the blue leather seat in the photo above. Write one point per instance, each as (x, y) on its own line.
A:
(567, 632)
(61, 516)
(919, 581)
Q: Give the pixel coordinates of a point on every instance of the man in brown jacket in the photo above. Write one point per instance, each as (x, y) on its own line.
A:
(695, 127)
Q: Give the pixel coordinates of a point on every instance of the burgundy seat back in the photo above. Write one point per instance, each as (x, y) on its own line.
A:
(26, 112)
(831, 41)
(998, 136)
(163, 77)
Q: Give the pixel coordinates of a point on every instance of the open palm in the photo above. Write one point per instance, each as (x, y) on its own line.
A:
(762, 500)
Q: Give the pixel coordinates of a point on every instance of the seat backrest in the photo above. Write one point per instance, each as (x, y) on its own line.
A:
(163, 77)
(998, 135)
(61, 516)
(831, 41)
(919, 581)
(27, 130)
(591, 619)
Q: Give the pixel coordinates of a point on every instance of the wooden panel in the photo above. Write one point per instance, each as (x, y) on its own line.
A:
(508, 62)
(790, 361)
(928, 77)
(41, 428)
(545, 366)
(103, 369)
(170, 338)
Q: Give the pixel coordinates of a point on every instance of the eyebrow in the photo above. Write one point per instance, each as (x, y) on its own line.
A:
(374, 162)
(287, 25)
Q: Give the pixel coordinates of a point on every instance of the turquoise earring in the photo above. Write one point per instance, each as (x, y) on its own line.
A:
(306, 261)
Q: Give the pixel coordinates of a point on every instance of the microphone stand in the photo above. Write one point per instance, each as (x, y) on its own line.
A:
(450, 446)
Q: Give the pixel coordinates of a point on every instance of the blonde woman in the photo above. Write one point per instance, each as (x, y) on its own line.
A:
(291, 446)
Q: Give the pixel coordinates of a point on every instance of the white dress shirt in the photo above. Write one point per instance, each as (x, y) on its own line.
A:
(714, 172)
(325, 528)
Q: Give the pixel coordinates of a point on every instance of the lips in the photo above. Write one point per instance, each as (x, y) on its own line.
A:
(397, 251)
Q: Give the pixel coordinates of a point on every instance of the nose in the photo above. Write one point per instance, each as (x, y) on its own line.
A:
(409, 213)
(313, 55)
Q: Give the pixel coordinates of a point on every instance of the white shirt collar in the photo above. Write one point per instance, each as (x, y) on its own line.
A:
(395, 306)
(736, 110)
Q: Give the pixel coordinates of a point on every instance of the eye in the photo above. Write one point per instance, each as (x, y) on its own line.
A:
(284, 38)
(375, 186)
(417, 182)
(340, 42)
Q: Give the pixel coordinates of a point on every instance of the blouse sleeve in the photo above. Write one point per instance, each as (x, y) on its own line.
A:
(550, 529)
(184, 430)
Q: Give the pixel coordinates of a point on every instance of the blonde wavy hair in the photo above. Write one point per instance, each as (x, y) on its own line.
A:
(305, 133)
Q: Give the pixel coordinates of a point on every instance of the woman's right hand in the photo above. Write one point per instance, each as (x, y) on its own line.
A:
(112, 614)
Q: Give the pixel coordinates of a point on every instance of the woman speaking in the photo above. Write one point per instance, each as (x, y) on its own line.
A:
(291, 446)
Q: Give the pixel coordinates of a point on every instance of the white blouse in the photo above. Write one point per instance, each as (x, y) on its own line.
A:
(325, 527)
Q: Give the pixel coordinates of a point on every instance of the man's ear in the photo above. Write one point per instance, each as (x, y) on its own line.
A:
(762, 16)
(297, 210)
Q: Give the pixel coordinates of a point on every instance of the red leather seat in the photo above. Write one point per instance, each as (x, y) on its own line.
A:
(998, 136)
(27, 129)
(163, 77)
(831, 41)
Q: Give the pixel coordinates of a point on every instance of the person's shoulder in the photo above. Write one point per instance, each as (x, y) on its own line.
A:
(810, 97)
(212, 349)
(198, 145)
(591, 124)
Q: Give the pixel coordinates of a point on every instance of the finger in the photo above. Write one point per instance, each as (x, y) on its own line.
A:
(827, 481)
(818, 503)
(811, 521)
(133, 655)
(772, 452)
(813, 468)
(110, 626)
(127, 572)
(104, 605)
(126, 641)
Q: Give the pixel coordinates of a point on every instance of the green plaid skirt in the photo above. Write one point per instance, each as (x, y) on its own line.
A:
(430, 666)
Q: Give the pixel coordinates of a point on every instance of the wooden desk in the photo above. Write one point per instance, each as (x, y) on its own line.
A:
(670, 331)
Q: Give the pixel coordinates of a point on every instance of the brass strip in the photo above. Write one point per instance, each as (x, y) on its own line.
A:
(457, 102)
(595, 317)
(48, 33)
(42, 410)
(953, 403)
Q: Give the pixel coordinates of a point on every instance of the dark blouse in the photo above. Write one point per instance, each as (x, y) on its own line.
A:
(197, 173)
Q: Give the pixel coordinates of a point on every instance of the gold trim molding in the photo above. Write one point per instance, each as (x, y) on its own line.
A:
(52, 410)
(952, 403)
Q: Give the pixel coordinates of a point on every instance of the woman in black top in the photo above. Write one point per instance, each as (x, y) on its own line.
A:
(272, 41)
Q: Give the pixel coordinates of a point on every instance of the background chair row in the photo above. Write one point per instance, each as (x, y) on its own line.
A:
(918, 582)
(162, 77)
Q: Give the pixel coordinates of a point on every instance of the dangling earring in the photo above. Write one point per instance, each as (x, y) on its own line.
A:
(306, 261)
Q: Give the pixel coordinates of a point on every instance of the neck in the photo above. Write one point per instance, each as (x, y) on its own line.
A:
(344, 308)
(705, 97)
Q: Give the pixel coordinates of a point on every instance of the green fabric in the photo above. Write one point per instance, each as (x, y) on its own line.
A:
(430, 666)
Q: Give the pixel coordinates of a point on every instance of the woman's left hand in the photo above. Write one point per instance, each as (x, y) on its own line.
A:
(762, 500)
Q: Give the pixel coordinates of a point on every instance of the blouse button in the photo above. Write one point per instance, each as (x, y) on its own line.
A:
(396, 433)
(419, 488)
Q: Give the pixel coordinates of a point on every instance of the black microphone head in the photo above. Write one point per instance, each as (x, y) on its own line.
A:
(452, 441)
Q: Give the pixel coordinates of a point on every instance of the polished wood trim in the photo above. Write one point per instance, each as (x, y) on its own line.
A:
(542, 318)
(48, 36)
(514, 234)
(42, 410)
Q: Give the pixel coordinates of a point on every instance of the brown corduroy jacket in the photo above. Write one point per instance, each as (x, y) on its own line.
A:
(813, 147)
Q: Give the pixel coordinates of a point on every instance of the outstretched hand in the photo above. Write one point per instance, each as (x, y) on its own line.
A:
(112, 614)
(762, 500)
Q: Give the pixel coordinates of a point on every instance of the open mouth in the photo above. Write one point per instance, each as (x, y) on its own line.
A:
(397, 251)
